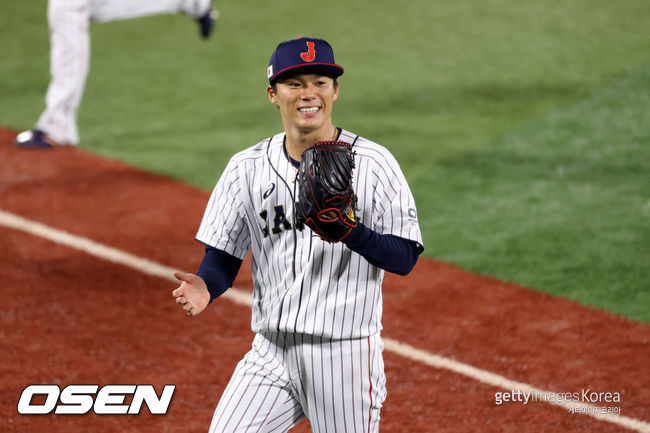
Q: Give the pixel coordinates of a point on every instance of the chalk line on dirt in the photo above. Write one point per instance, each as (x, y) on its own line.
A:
(242, 297)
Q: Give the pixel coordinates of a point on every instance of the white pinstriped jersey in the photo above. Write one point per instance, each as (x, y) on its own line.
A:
(301, 283)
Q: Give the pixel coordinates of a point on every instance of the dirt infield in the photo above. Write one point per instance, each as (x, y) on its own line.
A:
(70, 318)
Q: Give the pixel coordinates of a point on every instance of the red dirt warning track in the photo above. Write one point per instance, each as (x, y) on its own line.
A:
(69, 318)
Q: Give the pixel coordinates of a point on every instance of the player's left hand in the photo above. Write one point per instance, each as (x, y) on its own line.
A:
(192, 294)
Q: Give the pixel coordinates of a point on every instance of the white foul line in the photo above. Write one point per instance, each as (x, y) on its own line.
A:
(104, 252)
(242, 297)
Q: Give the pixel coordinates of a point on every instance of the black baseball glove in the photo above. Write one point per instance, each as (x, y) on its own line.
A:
(326, 200)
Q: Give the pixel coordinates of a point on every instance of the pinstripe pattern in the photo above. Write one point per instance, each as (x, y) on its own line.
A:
(334, 293)
(69, 22)
(339, 385)
(316, 306)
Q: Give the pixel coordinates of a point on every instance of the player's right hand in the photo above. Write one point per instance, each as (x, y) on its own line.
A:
(192, 294)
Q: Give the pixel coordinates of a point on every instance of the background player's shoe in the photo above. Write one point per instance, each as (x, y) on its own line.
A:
(206, 22)
(34, 138)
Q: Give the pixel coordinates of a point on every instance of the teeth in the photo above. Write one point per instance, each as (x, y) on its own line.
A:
(309, 110)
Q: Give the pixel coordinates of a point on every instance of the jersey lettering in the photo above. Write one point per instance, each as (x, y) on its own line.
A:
(280, 220)
(265, 229)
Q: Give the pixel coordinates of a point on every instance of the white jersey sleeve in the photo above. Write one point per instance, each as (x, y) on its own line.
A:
(224, 225)
(393, 204)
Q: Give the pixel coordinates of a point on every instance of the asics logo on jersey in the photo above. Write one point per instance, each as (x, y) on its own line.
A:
(310, 55)
(269, 190)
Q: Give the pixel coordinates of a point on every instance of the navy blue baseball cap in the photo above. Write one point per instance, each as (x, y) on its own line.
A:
(303, 55)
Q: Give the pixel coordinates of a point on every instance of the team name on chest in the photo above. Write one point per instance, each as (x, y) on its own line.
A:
(275, 221)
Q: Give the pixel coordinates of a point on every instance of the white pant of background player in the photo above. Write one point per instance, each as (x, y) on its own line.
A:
(69, 22)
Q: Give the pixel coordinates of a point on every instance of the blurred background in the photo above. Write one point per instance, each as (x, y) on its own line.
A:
(523, 127)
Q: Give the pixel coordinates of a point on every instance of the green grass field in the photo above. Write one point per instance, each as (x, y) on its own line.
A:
(523, 127)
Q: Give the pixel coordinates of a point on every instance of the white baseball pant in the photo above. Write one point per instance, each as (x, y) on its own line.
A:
(70, 52)
(339, 385)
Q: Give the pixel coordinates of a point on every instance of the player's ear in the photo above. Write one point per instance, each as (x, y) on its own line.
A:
(272, 96)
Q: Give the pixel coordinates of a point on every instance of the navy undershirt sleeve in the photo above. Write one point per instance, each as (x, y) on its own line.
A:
(388, 252)
(218, 269)
(391, 253)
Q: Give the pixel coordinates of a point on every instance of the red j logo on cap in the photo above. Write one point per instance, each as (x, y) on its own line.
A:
(310, 55)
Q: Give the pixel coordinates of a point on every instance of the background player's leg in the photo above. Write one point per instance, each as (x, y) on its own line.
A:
(259, 396)
(69, 61)
(343, 383)
(109, 10)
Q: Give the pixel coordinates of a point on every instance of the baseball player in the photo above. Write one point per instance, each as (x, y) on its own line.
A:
(69, 22)
(317, 304)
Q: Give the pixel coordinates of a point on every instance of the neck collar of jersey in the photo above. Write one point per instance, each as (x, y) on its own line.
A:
(293, 161)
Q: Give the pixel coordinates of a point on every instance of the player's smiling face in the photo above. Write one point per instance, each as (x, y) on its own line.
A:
(305, 102)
